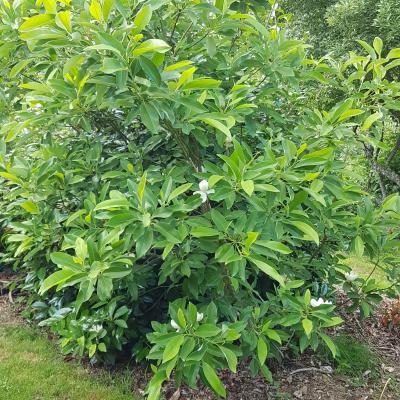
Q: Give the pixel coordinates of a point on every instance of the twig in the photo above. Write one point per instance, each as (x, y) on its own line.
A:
(314, 369)
(384, 388)
(174, 28)
(10, 297)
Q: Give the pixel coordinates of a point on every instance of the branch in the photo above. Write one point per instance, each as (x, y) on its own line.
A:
(387, 172)
(381, 169)
(174, 28)
(394, 151)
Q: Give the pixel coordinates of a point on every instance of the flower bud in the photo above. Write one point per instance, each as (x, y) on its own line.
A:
(203, 186)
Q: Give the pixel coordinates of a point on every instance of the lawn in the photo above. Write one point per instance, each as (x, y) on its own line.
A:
(31, 368)
(364, 268)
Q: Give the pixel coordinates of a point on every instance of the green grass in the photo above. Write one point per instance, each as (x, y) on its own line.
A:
(32, 369)
(353, 359)
(363, 267)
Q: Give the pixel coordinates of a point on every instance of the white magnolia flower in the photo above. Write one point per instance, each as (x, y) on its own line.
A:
(175, 325)
(200, 317)
(350, 276)
(204, 191)
(319, 302)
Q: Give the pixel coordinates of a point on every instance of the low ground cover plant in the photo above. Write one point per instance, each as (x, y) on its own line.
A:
(171, 190)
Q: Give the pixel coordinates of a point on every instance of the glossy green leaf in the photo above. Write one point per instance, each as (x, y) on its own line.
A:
(262, 350)
(213, 380)
(307, 326)
(172, 348)
(311, 233)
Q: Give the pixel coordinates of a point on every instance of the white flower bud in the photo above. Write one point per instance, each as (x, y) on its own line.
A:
(175, 325)
(200, 317)
(203, 186)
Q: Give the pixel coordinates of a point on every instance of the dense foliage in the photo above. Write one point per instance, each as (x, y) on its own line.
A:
(172, 189)
(334, 25)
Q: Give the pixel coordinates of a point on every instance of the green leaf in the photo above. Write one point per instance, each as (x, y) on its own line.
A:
(215, 124)
(368, 48)
(151, 45)
(262, 350)
(56, 279)
(172, 348)
(310, 233)
(121, 323)
(107, 7)
(307, 297)
(36, 21)
(112, 65)
(150, 117)
(63, 20)
(150, 70)
(349, 114)
(11, 177)
(102, 347)
(370, 120)
(213, 380)
(230, 357)
(66, 261)
(95, 10)
(359, 246)
(393, 53)
(250, 239)
(273, 335)
(81, 248)
(86, 290)
(178, 65)
(201, 83)
(265, 187)
(142, 19)
(267, 269)
(378, 45)
(179, 190)
(275, 246)
(112, 204)
(142, 187)
(207, 330)
(333, 322)
(307, 326)
(144, 243)
(220, 4)
(92, 350)
(30, 206)
(185, 76)
(203, 231)
(17, 68)
(248, 187)
(329, 342)
(104, 288)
